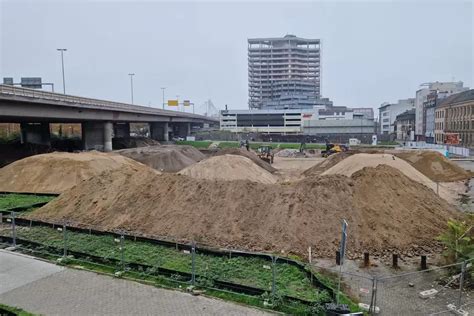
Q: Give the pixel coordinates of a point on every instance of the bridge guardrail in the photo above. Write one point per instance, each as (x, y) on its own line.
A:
(45, 95)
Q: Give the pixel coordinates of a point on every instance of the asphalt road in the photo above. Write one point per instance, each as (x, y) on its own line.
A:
(46, 289)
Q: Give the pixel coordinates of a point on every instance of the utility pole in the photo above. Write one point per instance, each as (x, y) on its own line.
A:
(62, 50)
(131, 84)
(163, 90)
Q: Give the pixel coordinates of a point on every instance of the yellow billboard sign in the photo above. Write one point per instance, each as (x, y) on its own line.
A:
(172, 102)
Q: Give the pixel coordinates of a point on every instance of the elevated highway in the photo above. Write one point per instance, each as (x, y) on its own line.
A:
(100, 119)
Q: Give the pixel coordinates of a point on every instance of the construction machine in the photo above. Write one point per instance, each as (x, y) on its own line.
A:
(333, 149)
(265, 153)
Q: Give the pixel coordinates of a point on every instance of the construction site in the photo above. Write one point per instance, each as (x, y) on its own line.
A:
(287, 208)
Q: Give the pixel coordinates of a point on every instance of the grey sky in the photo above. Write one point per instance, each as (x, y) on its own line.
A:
(372, 51)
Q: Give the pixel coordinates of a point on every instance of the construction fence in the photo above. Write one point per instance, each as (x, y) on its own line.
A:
(259, 277)
(278, 281)
(445, 290)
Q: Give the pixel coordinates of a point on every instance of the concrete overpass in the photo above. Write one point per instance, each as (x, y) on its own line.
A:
(101, 120)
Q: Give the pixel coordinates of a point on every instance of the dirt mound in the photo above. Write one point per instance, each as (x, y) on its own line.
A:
(133, 142)
(290, 153)
(249, 154)
(385, 210)
(166, 158)
(435, 166)
(229, 167)
(58, 171)
(327, 163)
(397, 211)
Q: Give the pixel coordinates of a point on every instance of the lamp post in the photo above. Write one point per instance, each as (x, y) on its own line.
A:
(163, 90)
(131, 84)
(62, 50)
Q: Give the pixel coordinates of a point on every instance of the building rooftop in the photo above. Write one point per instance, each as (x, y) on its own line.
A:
(458, 98)
(285, 38)
(409, 114)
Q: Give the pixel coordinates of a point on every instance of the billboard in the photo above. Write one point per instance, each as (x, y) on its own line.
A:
(451, 138)
(8, 80)
(31, 82)
(172, 102)
(186, 103)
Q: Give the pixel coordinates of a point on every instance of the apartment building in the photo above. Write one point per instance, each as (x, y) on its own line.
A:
(455, 114)
(405, 125)
(285, 73)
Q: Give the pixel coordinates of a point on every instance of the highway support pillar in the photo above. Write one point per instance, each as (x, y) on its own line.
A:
(97, 136)
(159, 131)
(183, 129)
(122, 130)
(35, 133)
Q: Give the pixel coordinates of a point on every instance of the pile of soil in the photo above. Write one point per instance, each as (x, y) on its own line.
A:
(386, 211)
(435, 166)
(229, 167)
(327, 163)
(59, 171)
(289, 153)
(249, 154)
(166, 158)
(133, 142)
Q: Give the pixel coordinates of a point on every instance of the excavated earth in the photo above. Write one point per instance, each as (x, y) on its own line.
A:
(165, 158)
(248, 154)
(386, 211)
(59, 171)
(228, 167)
(435, 166)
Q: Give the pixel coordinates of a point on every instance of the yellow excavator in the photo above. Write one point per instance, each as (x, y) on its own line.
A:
(333, 149)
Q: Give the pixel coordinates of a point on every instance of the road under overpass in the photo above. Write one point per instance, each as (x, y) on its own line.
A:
(100, 120)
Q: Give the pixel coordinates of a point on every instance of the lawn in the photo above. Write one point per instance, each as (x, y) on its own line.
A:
(198, 144)
(255, 272)
(253, 145)
(11, 200)
(10, 310)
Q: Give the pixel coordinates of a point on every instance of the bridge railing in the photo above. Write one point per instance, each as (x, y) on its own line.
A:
(45, 95)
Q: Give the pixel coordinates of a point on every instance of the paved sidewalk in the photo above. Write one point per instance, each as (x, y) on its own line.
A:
(47, 289)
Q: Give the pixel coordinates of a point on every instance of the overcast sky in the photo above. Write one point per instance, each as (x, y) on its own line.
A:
(372, 51)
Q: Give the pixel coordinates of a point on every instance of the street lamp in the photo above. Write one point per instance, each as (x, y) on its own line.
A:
(163, 90)
(62, 50)
(131, 84)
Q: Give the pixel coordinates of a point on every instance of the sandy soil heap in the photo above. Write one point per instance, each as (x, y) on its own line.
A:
(435, 166)
(229, 167)
(356, 162)
(249, 154)
(327, 163)
(133, 142)
(166, 158)
(58, 171)
(385, 210)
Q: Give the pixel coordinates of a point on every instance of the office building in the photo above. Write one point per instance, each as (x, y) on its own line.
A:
(388, 113)
(285, 73)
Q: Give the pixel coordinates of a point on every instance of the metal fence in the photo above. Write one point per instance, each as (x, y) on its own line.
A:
(445, 290)
(432, 291)
(259, 277)
(443, 149)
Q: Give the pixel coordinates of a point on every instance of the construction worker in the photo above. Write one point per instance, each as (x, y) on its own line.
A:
(247, 145)
(302, 146)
